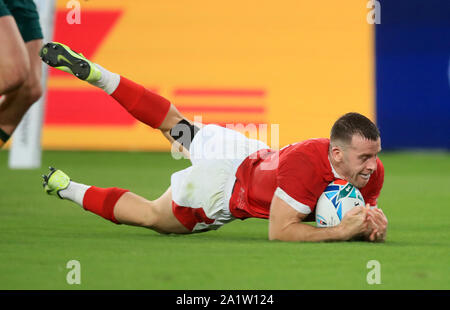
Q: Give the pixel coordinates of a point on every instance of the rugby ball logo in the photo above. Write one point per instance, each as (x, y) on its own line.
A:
(337, 199)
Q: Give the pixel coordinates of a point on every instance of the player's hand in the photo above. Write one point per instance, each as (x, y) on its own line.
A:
(354, 223)
(377, 225)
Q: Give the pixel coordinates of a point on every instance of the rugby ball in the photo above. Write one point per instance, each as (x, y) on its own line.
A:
(338, 198)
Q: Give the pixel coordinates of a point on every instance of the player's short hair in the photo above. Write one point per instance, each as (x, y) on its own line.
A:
(353, 123)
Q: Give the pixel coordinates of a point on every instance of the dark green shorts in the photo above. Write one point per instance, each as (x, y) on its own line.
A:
(26, 16)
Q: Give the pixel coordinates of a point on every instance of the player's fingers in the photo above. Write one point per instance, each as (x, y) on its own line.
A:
(383, 216)
(379, 211)
(372, 235)
(380, 227)
(366, 213)
(374, 223)
(356, 210)
(377, 216)
(380, 217)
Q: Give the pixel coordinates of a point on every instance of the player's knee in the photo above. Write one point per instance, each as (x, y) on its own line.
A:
(31, 91)
(183, 132)
(173, 117)
(151, 218)
(34, 92)
(156, 219)
(12, 78)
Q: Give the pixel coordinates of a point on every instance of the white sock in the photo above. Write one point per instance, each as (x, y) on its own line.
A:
(74, 192)
(109, 81)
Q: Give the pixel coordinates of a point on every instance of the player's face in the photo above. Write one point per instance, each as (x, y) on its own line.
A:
(360, 160)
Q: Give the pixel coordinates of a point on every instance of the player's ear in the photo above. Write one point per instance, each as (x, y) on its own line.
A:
(337, 153)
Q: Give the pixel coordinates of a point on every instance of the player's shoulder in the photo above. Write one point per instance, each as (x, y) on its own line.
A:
(306, 158)
(379, 163)
(310, 149)
(380, 170)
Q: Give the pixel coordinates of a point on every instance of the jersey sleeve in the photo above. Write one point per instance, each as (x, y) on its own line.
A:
(372, 190)
(297, 182)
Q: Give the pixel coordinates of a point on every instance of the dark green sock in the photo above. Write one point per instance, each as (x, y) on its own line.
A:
(4, 137)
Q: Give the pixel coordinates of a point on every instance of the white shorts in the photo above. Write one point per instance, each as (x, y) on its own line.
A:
(201, 192)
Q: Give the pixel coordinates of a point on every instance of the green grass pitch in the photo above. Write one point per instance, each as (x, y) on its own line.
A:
(40, 234)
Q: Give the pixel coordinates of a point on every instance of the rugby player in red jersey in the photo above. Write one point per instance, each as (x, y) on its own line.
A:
(232, 177)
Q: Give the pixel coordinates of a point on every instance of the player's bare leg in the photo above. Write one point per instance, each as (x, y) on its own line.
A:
(20, 72)
(122, 206)
(14, 61)
(147, 107)
(132, 209)
(117, 205)
(16, 103)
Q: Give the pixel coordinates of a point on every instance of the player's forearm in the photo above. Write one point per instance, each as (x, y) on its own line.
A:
(307, 233)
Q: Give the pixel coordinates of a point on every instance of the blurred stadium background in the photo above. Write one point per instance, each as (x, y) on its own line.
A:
(299, 64)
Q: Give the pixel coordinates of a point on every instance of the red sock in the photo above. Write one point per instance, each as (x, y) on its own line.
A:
(101, 201)
(144, 105)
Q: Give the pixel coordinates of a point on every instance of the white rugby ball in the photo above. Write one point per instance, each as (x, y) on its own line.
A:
(337, 199)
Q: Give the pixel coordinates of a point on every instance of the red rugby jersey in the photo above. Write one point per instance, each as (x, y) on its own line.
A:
(298, 174)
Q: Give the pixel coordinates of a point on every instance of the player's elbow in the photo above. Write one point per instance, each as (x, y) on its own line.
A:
(278, 233)
(274, 233)
(283, 236)
(273, 236)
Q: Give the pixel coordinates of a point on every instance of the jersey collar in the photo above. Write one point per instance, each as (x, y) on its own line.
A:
(336, 175)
